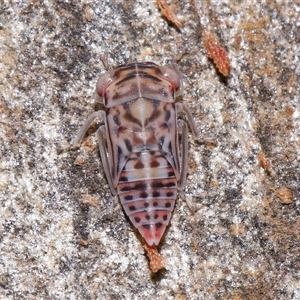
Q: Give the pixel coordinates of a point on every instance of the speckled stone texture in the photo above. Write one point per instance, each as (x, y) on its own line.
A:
(58, 236)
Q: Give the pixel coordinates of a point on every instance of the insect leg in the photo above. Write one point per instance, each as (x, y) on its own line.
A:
(183, 131)
(101, 134)
(181, 107)
(95, 115)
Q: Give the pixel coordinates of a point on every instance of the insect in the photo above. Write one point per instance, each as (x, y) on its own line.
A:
(139, 142)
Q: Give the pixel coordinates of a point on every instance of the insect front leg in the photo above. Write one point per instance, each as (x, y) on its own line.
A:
(86, 125)
(181, 107)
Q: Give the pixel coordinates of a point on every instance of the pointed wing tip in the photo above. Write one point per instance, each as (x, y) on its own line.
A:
(152, 233)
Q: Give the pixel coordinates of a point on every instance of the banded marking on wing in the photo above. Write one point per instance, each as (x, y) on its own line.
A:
(141, 125)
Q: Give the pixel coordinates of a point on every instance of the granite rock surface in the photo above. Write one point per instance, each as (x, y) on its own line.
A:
(60, 239)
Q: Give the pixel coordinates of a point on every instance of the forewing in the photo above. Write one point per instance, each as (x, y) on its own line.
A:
(166, 136)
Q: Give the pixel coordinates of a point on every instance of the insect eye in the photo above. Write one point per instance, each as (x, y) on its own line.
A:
(173, 75)
(102, 84)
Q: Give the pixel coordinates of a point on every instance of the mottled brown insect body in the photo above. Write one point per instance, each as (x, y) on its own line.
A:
(141, 160)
